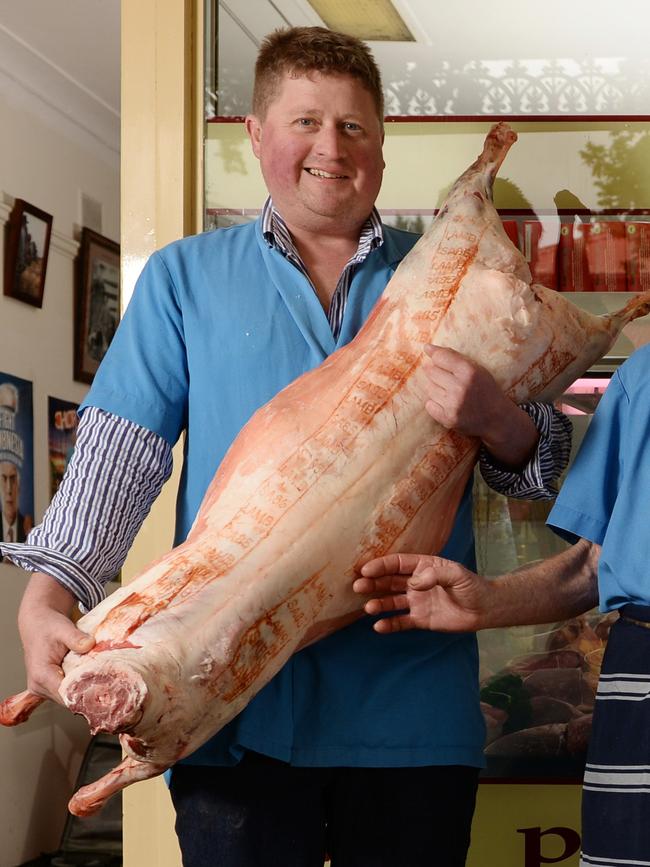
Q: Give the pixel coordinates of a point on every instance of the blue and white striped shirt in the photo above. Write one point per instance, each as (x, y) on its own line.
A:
(277, 235)
(118, 467)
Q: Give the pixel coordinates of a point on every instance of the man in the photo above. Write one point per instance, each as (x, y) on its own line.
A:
(603, 505)
(15, 526)
(352, 731)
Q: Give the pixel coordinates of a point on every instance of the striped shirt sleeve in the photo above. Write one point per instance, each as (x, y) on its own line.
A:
(116, 472)
(537, 479)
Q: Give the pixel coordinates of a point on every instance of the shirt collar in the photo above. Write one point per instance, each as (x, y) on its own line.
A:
(277, 234)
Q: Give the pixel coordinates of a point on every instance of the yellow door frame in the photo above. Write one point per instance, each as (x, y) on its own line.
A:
(161, 195)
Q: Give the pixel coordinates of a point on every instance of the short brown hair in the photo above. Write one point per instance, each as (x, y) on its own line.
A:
(301, 50)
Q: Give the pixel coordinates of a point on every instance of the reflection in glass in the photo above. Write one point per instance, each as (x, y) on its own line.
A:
(531, 71)
(537, 682)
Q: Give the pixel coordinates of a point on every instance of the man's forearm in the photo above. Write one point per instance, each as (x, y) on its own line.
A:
(558, 588)
(83, 540)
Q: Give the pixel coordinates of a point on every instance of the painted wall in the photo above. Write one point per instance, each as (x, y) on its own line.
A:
(47, 160)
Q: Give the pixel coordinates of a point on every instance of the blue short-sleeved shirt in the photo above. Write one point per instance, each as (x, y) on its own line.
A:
(606, 495)
(217, 325)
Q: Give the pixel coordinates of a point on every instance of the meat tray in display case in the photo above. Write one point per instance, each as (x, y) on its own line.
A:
(538, 683)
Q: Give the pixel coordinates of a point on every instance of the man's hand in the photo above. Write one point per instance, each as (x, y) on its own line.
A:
(47, 633)
(430, 592)
(464, 396)
(434, 593)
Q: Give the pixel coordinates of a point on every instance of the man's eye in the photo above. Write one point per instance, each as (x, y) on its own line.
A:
(305, 121)
(352, 127)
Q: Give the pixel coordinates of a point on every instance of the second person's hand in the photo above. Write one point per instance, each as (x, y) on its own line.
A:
(422, 592)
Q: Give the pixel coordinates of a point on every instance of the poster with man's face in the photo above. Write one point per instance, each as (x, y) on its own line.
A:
(16, 458)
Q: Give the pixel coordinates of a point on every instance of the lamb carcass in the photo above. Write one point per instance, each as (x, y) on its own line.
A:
(342, 466)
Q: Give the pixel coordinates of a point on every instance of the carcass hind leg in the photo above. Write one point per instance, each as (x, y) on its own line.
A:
(92, 798)
(18, 708)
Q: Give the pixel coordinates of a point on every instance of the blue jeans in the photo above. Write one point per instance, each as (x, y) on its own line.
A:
(265, 813)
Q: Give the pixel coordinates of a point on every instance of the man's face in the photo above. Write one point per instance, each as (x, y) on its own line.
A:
(320, 150)
(9, 490)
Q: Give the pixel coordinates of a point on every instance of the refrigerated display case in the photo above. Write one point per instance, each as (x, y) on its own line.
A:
(529, 797)
(537, 682)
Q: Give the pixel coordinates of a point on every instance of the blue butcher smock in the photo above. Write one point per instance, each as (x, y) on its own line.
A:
(605, 496)
(217, 325)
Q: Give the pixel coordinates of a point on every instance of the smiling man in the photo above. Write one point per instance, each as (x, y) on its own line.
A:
(357, 735)
(319, 141)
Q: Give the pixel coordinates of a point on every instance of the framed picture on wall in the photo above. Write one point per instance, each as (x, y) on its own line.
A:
(97, 302)
(27, 244)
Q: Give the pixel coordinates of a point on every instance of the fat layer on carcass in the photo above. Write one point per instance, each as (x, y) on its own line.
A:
(341, 466)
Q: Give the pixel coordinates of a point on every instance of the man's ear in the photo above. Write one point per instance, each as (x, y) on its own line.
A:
(254, 130)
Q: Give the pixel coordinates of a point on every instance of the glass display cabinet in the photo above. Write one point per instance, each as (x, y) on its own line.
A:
(574, 197)
(537, 682)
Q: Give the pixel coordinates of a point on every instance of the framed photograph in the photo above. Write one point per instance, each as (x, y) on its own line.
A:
(97, 302)
(27, 244)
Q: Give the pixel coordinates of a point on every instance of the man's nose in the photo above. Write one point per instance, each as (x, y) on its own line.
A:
(330, 142)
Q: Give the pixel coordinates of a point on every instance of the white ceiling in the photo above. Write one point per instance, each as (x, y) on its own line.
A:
(474, 28)
(80, 38)
(61, 58)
